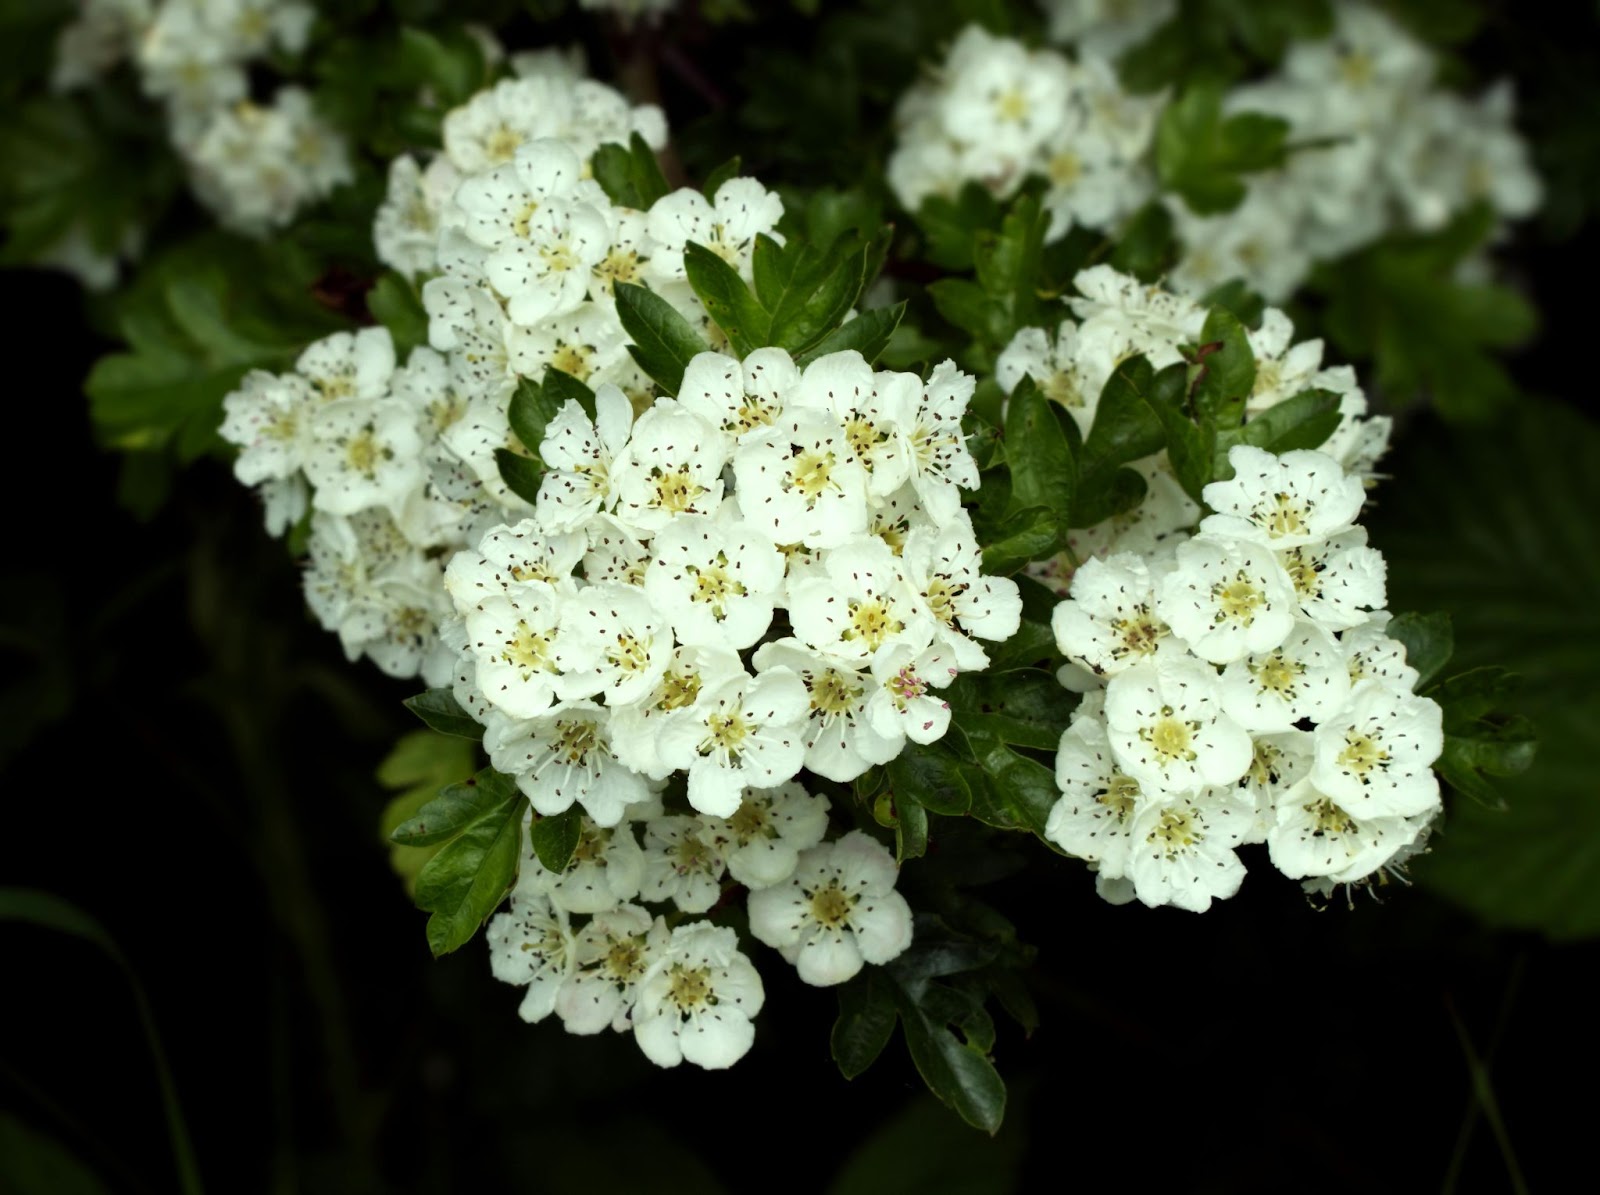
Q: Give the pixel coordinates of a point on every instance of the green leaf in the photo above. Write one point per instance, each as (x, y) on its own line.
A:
(1125, 428)
(1044, 469)
(421, 765)
(868, 334)
(1025, 708)
(197, 319)
(395, 304)
(663, 341)
(727, 299)
(1147, 246)
(555, 838)
(629, 175)
(1429, 642)
(865, 1024)
(480, 828)
(530, 412)
(1495, 526)
(1200, 154)
(45, 910)
(561, 388)
(452, 66)
(910, 830)
(1305, 420)
(817, 299)
(1032, 534)
(522, 474)
(1403, 304)
(1191, 449)
(952, 224)
(1017, 793)
(440, 710)
(1033, 642)
(931, 777)
(958, 1072)
(1104, 496)
(972, 309)
(1227, 370)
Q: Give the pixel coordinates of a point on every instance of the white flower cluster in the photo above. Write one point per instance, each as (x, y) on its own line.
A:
(254, 165)
(588, 950)
(1380, 148)
(1376, 145)
(813, 516)
(398, 465)
(1238, 686)
(997, 113)
(1119, 317)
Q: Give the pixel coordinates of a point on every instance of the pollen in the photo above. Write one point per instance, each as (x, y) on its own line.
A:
(831, 907)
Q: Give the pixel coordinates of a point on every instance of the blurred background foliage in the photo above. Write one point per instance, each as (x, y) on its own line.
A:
(190, 762)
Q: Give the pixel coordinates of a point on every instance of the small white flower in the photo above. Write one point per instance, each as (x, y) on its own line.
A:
(839, 737)
(1338, 581)
(681, 864)
(1110, 623)
(512, 638)
(941, 466)
(671, 467)
(727, 225)
(610, 955)
(614, 642)
(1312, 836)
(1376, 758)
(1375, 659)
(1054, 366)
(799, 481)
(744, 733)
(942, 567)
(1303, 677)
(762, 841)
(715, 581)
(349, 365)
(903, 701)
(1283, 501)
(605, 870)
(564, 756)
(697, 1000)
(363, 454)
(738, 397)
(531, 946)
(861, 607)
(1182, 849)
(1227, 599)
(578, 453)
(1165, 722)
(267, 418)
(873, 409)
(838, 911)
(690, 671)
(1095, 814)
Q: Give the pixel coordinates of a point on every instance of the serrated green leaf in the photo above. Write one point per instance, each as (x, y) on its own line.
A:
(1200, 154)
(1024, 708)
(440, 710)
(465, 881)
(930, 776)
(1495, 526)
(952, 224)
(1106, 495)
(868, 334)
(1191, 448)
(663, 341)
(555, 838)
(865, 1024)
(1044, 469)
(630, 175)
(452, 65)
(817, 300)
(530, 412)
(1305, 420)
(1125, 428)
(1147, 246)
(1227, 370)
(522, 474)
(561, 388)
(727, 299)
(1032, 534)
(1018, 792)
(1429, 642)
(959, 1074)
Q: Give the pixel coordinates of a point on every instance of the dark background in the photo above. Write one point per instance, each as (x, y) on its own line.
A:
(188, 758)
